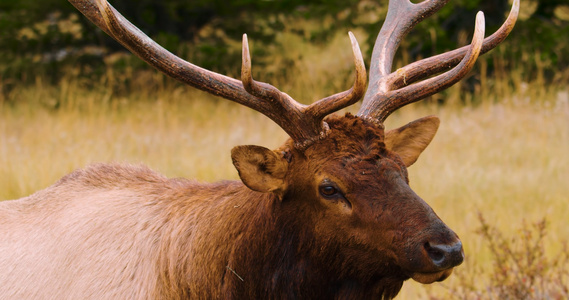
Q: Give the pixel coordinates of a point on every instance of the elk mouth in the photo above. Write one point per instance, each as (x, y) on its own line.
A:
(427, 278)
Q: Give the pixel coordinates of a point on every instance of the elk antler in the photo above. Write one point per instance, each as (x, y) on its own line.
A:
(302, 123)
(389, 91)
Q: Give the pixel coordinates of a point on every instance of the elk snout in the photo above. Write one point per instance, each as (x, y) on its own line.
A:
(445, 256)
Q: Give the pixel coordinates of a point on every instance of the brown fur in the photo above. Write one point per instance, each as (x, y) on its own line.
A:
(125, 232)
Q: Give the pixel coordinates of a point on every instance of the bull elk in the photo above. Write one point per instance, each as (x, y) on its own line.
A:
(329, 214)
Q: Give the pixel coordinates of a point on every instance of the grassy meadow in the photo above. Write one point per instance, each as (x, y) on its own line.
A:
(502, 150)
(508, 160)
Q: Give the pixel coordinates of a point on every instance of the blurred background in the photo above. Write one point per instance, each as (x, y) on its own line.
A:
(497, 172)
(51, 39)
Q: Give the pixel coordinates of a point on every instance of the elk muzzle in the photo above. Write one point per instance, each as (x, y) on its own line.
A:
(437, 257)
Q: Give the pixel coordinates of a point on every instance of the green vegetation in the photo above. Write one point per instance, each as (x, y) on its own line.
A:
(51, 39)
(501, 149)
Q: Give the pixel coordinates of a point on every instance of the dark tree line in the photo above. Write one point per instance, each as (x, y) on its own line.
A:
(33, 37)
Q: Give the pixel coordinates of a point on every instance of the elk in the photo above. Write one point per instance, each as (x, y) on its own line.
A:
(329, 214)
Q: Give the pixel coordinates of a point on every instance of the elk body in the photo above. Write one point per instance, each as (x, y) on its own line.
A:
(329, 214)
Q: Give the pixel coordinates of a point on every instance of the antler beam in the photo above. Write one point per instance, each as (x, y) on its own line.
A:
(302, 123)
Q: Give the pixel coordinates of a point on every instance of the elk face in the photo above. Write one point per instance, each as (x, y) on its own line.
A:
(351, 189)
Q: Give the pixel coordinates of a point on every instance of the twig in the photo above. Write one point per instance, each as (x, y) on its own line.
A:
(230, 269)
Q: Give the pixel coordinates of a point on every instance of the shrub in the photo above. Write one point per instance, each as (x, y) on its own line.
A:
(520, 267)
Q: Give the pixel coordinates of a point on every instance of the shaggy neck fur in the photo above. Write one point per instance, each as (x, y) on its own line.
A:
(265, 254)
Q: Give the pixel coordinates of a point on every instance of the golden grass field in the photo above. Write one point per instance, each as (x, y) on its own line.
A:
(508, 159)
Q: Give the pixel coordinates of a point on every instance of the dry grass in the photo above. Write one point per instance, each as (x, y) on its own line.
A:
(508, 159)
(174, 136)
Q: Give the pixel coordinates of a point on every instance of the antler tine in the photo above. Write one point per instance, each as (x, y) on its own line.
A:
(435, 64)
(258, 89)
(386, 93)
(391, 101)
(344, 99)
(284, 110)
(310, 116)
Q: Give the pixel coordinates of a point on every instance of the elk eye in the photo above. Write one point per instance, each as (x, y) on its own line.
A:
(328, 191)
(331, 192)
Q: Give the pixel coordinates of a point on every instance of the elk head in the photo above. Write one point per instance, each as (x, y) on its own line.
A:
(344, 175)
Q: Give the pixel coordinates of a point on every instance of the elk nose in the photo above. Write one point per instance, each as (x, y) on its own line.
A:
(445, 256)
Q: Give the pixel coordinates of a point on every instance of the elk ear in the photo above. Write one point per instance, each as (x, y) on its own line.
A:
(410, 140)
(259, 168)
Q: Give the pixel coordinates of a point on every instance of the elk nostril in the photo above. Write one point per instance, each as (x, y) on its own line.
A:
(445, 256)
(436, 254)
